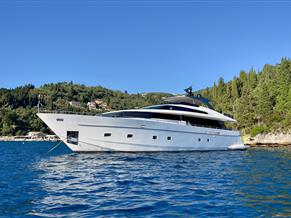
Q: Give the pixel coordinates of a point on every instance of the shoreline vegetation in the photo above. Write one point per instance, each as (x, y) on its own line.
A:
(259, 100)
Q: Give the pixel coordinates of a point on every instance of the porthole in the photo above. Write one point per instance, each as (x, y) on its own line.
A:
(129, 135)
(60, 119)
(208, 140)
(169, 138)
(155, 137)
(107, 134)
(199, 140)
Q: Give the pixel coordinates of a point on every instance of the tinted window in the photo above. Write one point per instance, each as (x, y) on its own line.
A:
(194, 121)
(204, 122)
(177, 108)
(146, 115)
(129, 114)
(166, 116)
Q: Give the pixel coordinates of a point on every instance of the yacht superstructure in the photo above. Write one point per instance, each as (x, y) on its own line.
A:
(180, 124)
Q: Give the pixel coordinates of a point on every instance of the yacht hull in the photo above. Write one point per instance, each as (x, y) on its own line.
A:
(82, 133)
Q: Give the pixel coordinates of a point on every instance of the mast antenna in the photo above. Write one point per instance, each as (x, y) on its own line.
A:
(189, 91)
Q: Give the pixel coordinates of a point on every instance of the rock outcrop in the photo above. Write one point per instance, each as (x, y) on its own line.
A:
(271, 139)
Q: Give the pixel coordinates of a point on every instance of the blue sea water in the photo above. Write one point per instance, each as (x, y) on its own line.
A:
(34, 183)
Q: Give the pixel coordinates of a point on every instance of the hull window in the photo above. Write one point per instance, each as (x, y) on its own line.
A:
(129, 136)
(169, 138)
(107, 134)
(73, 137)
(155, 137)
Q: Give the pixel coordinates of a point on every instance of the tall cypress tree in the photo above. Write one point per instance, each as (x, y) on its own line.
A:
(234, 90)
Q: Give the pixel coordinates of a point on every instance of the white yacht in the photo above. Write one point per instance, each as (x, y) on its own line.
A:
(180, 124)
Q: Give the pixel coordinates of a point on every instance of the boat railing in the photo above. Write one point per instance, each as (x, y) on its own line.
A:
(40, 109)
(69, 112)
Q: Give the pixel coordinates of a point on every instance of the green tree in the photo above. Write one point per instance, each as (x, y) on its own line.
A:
(234, 90)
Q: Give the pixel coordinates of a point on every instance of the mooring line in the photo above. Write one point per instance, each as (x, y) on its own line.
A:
(53, 148)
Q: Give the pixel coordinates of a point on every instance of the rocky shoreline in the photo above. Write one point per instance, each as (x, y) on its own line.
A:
(45, 138)
(31, 136)
(268, 140)
(10, 139)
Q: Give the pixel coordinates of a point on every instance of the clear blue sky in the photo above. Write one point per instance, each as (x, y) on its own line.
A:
(139, 46)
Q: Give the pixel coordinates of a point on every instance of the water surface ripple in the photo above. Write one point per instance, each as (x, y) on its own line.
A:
(249, 183)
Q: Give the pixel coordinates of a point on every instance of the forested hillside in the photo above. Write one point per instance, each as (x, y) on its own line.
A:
(18, 107)
(259, 101)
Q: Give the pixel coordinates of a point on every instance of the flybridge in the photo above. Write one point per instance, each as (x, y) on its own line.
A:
(189, 99)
